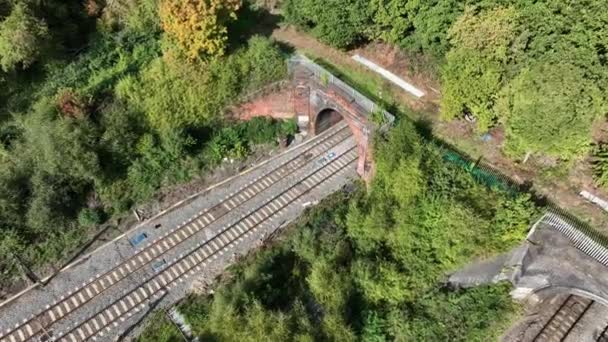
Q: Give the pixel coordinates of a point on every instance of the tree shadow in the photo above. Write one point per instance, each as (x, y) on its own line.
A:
(424, 127)
(285, 48)
(201, 135)
(252, 21)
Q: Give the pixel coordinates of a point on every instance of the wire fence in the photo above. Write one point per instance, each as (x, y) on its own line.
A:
(493, 178)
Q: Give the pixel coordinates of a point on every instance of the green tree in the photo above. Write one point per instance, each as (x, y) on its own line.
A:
(171, 95)
(549, 109)
(475, 67)
(340, 23)
(63, 147)
(90, 217)
(22, 38)
(158, 160)
(54, 202)
(381, 282)
(418, 26)
(141, 15)
(470, 84)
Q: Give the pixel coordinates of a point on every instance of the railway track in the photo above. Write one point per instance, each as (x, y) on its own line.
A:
(564, 319)
(38, 326)
(194, 260)
(603, 336)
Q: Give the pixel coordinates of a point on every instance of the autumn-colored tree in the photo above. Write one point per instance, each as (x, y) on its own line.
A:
(93, 8)
(72, 104)
(198, 27)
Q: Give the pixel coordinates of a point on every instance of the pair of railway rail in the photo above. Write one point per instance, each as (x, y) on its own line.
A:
(38, 327)
(563, 321)
(603, 336)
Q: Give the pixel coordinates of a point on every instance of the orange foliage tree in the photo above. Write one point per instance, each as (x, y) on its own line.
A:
(198, 27)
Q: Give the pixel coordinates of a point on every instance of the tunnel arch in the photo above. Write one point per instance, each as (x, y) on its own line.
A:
(553, 290)
(326, 118)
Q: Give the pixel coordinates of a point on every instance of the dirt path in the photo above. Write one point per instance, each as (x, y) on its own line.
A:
(313, 48)
(559, 183)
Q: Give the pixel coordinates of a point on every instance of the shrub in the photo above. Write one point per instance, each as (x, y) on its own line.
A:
(228, 143)
(288, 127)
(90, 217)
(549, 109)
(340, 23)
(159, 162)
(171, 95)
(22, 38)
(600, 164)
(198, 28)
(132, 15)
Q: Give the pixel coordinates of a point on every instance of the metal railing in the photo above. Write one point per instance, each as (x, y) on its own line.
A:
(324, 77)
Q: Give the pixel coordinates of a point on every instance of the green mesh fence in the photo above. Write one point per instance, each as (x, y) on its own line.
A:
(482, 173)
(492, 178)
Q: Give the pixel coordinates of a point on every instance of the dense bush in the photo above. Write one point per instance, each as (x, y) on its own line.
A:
(526, 68)
(103, 119)
(600, 164)
(133, 15)
(90, 217)
(22, 37)
(369, 266)
(234, 142)
(336, 22)
(181, 95)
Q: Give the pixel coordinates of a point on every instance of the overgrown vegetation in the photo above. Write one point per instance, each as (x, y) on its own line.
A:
(105, 102)
(98, 111)
(370, 265)
(536, 68)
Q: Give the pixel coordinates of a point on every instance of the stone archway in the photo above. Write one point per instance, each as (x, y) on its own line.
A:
(321, 100)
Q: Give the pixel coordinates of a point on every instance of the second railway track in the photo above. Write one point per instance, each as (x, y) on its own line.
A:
(39, 324)
(193, 260)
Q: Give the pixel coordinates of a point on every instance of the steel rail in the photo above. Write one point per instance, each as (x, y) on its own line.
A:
(564, 319)
(97, 285)
(192, 261)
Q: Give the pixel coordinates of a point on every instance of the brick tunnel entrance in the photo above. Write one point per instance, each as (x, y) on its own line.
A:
(320, 101)
(327, 116)
(325, 119)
